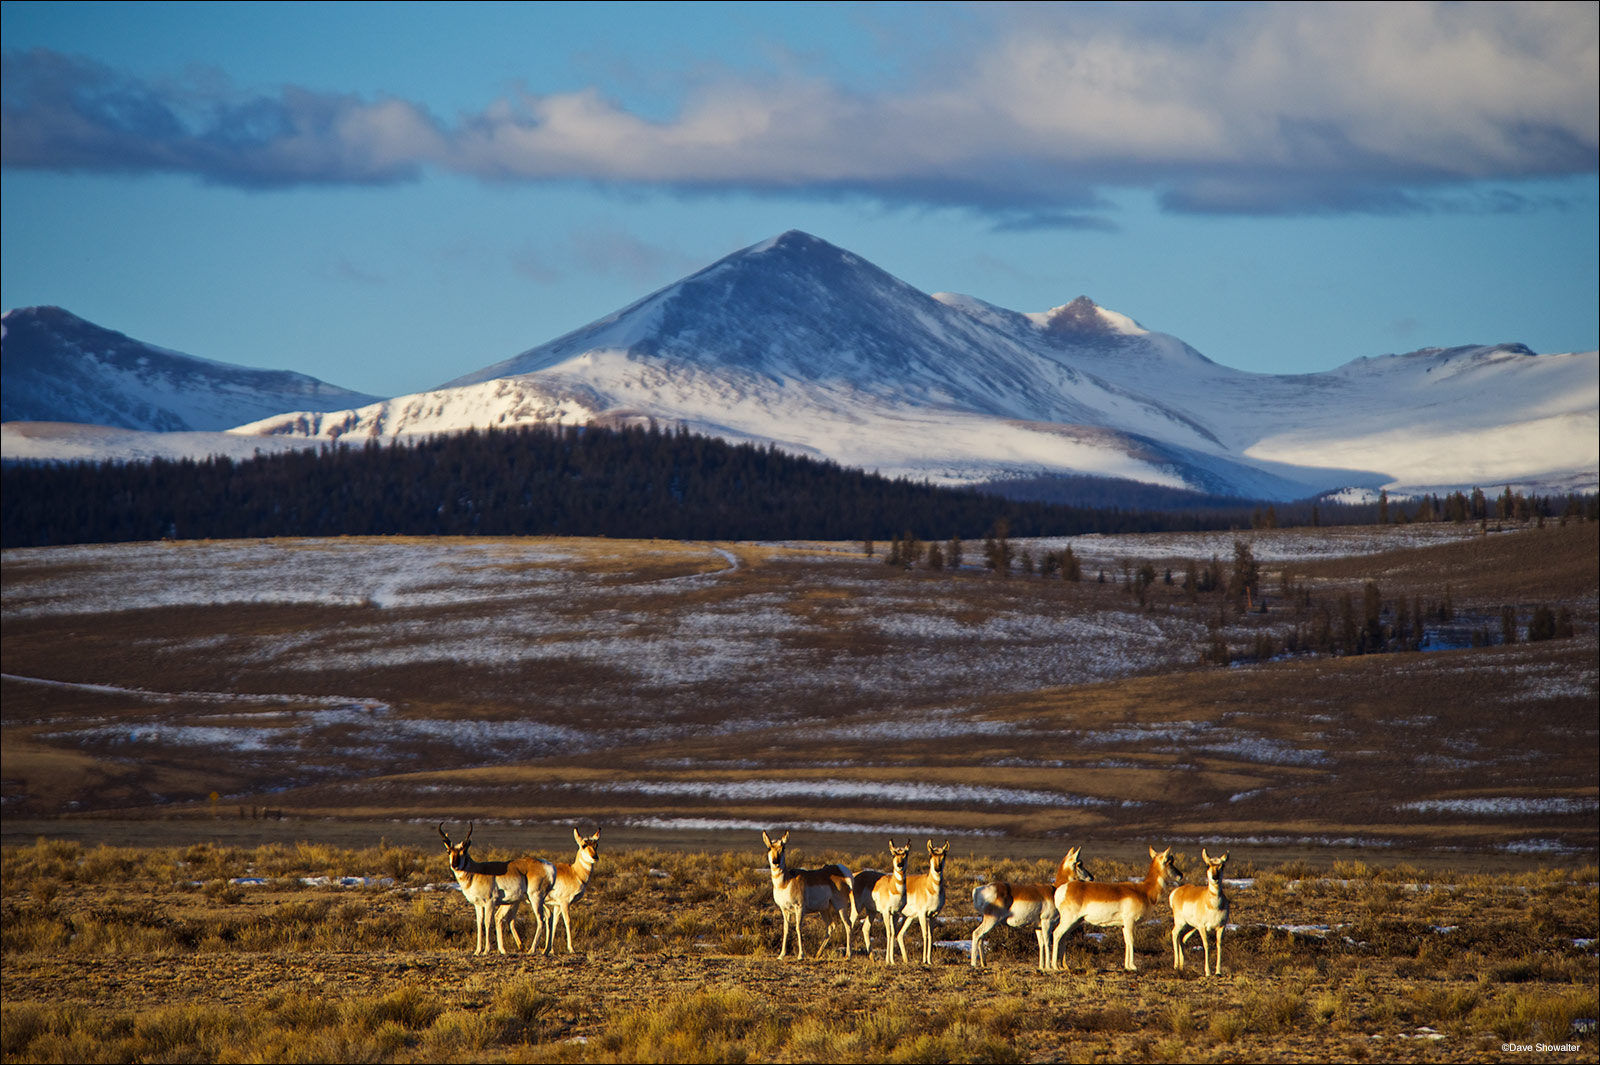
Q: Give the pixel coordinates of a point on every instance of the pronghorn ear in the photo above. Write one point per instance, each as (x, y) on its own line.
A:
(766, 838)
(1153, 852)
(930, 846)
(596, 835)
(785, 838)
(1204, 857)
(577, 836)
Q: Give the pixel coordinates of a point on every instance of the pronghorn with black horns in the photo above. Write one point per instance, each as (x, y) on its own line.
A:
(568, 886)
(1024, 906)
(924, 900)
(880, 893)
(1200, 909)
(499, 886)
(829, 890)
(1109, 905)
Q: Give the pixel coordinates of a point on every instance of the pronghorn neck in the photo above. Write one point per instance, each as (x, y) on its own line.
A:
(1161, 872)
(588, 852)
(1214, 868)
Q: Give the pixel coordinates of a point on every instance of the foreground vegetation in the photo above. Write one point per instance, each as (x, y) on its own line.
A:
(210, 952)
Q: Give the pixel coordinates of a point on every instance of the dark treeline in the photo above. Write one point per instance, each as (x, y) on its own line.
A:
(632, 482)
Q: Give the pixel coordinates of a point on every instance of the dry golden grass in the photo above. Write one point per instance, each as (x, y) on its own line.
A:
(154, 954)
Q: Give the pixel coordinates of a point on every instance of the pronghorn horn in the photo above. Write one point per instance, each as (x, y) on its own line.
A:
(443, 834)
(469, 833)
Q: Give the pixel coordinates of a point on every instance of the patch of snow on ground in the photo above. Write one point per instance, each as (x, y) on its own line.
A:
(1505, 806)
(877, 791)
(730, 824)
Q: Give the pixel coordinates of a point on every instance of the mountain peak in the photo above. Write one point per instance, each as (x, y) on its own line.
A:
(1085, 320)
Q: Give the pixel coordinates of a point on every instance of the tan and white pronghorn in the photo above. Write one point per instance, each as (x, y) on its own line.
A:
(570, 880)
(828, 891)
(497, 889)
(1023, 906)
(924, 900)
(880, 893)
(1200, 909)
(1108, 905)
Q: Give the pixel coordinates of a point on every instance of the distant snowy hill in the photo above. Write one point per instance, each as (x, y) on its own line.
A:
(804, 344)
(796, 342)
(59, 368)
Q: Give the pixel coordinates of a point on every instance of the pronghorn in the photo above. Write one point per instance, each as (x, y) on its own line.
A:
(828, 891)
(882, 893)
(1022, 905)
(1108, 905)
(570, 880)
(492, 886)
(1200, 909)
(924, 899)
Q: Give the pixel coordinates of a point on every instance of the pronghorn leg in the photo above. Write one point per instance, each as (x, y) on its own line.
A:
(1219, 950)
(799, 934)
(888, 934)
(1177, 944)
(866, 934)
(984, 928)
(905, 926)
(927, 941)
(1127, 944)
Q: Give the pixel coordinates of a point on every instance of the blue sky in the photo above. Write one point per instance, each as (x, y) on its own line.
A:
(391, 196)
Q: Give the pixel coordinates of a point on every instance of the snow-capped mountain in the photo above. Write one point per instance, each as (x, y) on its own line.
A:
(60, 368)
(804, 344)
(800, 343)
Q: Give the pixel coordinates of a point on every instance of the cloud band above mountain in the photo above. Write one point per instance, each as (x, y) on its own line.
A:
(1253, 109)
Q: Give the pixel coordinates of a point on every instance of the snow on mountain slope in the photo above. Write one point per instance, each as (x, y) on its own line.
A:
(72, 441)
(797, 342)
(801, 343)
(59, 368)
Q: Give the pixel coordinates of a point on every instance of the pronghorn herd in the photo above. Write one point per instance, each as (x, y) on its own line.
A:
(548, 888)
(498, 889)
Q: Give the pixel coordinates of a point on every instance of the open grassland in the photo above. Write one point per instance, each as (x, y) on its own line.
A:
(1413, 835)
(312, 952)
(687, 687)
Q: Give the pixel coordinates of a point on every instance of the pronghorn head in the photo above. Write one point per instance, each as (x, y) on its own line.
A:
(775, 849)
(901, 856)
(1074, 868)
(589, 845)
(936, 856)
(1163, 868)
(1213, 866)
(459, 858)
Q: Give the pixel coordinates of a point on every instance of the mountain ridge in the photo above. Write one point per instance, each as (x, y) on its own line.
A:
(797, 342)
(59, 367)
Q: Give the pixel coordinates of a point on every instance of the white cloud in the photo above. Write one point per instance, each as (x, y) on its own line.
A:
(1241, 108)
